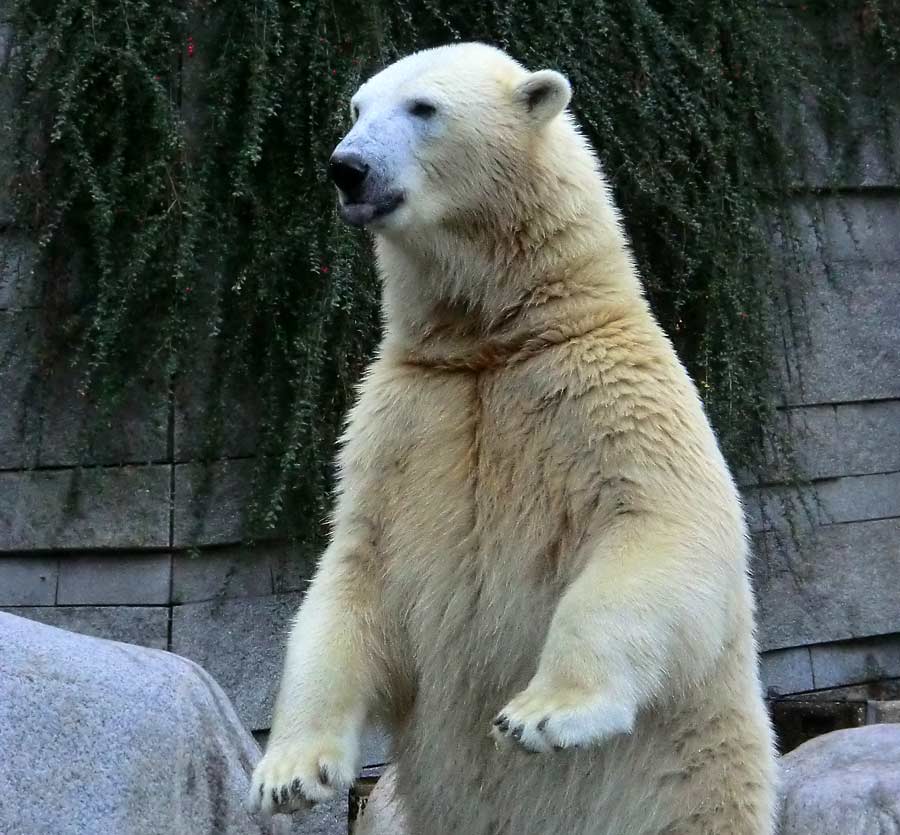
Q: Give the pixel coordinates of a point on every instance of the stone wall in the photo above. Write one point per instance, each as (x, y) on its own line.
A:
(116, 541)
(827, 578)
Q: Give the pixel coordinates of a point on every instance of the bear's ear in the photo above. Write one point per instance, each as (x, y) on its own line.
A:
(544, 95)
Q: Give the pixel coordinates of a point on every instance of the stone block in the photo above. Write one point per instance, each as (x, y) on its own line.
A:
(146, 626)
(120, 507)
(241, 643)
(49, 423)
(28, 581)
(845, 229)
(7, 103)
(830, 501)
(833, 583)
(376, 747)
(781, 507)
(21, 339)
(241, 571)
(210, 502)
(848, 345)
(826, 160)
(840, 318)
(881, 690)
(852, 662)
(222, 572)
(114, 579)
(857, 498)
(293, 566)
(206, 400)
(75, 430)
(867, 153)
(20, 283)
(836, 440)
(786, 671)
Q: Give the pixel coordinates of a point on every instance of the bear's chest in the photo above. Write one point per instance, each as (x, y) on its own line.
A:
(464, 464)
(473, 492)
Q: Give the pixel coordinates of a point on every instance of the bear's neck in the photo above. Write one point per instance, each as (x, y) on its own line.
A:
(474, 295)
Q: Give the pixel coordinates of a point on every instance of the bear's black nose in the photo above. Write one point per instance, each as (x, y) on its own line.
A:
(348, 172)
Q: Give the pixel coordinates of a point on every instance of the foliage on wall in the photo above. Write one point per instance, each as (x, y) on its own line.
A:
(171, 163)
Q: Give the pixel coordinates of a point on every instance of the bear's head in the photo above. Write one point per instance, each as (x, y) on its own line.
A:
(444, 134)
(483, 195)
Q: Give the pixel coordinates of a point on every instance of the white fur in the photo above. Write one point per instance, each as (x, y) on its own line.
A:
(537, 546)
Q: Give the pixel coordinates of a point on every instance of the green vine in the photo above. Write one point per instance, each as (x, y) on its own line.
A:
(170, 160)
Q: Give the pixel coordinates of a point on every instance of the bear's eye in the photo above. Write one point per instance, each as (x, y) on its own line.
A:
(422, 109)
(355, 112)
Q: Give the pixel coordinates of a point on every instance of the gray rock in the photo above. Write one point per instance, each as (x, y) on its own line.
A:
(835, 583)
(100, 737)
(117, 579)
(121, 507)
(28, 581)
(324, 819)
(241, 642)
(146, 626)
(843, 783)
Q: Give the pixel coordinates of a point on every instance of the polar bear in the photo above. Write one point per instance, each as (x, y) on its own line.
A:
(537, 575)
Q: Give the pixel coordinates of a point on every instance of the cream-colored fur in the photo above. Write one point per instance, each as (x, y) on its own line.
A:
(537, 545)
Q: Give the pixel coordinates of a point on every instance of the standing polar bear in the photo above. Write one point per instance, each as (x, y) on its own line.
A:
(537, 575)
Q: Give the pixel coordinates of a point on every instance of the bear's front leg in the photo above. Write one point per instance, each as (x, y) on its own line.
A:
(322, 704)
(647, 613)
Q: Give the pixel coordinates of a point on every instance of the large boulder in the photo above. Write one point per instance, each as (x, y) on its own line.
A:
(107, 738)
(843, 783)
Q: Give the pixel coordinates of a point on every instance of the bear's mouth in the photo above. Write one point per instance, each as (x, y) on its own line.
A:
(363, 213)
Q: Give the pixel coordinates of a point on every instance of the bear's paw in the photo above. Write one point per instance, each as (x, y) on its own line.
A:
(549, 718)
(292, 776)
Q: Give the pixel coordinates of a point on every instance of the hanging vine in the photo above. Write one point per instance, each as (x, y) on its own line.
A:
(170, 161)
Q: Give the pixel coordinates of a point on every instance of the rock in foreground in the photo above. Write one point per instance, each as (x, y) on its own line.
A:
(843, 783)
(102, 737)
